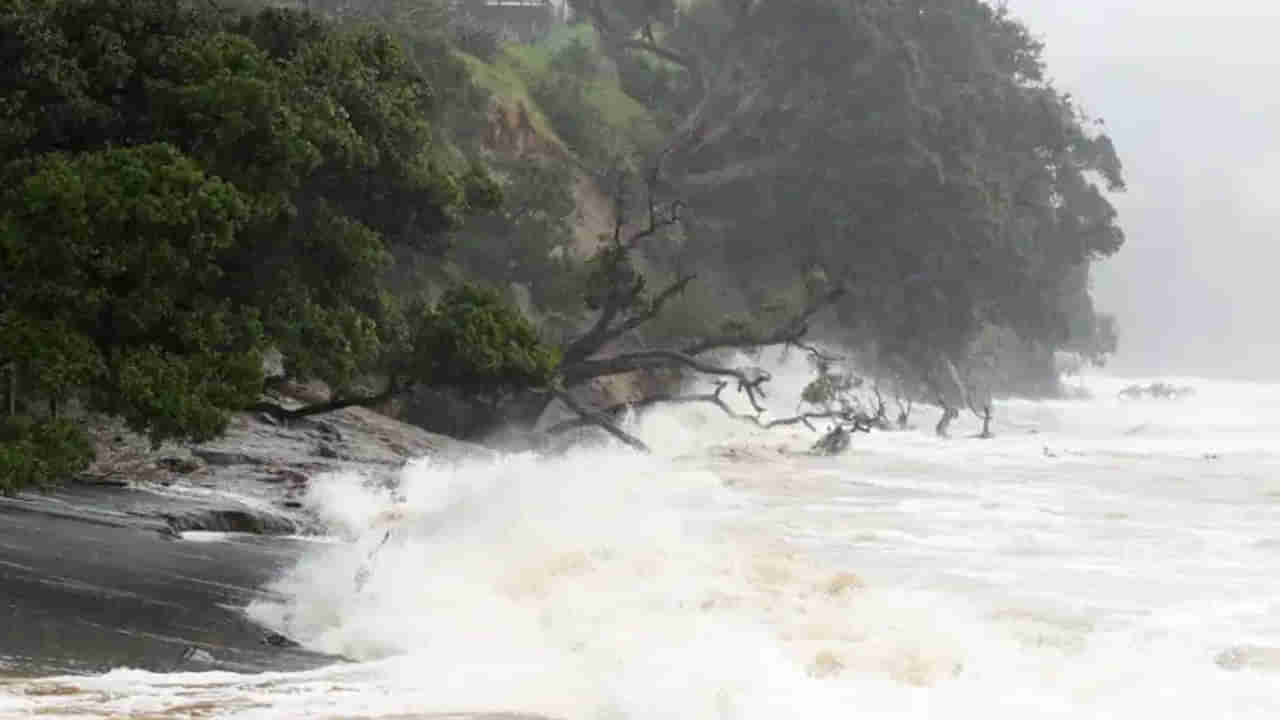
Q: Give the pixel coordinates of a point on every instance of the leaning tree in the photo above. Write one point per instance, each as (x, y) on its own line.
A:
(618, 293)
(915, 151)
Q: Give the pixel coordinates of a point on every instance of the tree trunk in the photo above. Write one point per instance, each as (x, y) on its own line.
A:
(13, 389)
(948, 414)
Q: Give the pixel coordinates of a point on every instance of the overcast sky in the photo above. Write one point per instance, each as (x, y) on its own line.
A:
(1190, 92)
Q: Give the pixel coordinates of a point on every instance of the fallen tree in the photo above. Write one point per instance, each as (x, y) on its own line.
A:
(618, 291)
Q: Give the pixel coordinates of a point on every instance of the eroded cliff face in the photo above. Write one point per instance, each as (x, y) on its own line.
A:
(511, 135)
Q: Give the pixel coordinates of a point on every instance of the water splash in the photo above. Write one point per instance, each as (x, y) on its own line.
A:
(1099, 559)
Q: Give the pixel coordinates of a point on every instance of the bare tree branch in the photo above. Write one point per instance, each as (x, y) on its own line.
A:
(601, 334)
(856, 422)
(620, 300)
(279, 412)
(712, 398)
(789, 333)
(658, 220)
(815, 353)
(749, 380)
(600, 420)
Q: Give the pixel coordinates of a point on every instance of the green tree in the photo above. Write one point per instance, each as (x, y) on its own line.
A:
(182, 187)
(475, 341)
(529, 238)
(915, 150)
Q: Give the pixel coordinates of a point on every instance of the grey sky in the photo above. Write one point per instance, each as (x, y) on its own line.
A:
(1190, 91)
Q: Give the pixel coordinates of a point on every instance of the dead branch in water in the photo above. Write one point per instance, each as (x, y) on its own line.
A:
(600, 420)
(853, 421)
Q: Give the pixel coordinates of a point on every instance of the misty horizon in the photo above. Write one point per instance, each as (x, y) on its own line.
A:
(1183, 89)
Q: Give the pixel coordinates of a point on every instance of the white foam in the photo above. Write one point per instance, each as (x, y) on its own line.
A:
(1081, 570)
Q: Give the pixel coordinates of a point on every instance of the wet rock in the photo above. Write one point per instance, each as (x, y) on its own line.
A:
(448, 411)
(293, 477)
(275, 639)
(258, 522)
(109, 480)
(94, 576)
(328, 430)
(88, 587)
(224, 458)
(197, 655)
(179, 465)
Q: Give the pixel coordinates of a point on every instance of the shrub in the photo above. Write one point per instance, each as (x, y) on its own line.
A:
(40, 453)
(473, 340)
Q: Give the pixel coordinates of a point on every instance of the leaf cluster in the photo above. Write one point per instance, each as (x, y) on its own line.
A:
(915, 150)
(40, 453)
(183, 187)
(473, 340)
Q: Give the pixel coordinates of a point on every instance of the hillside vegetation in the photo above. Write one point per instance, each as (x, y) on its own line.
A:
(390, 197)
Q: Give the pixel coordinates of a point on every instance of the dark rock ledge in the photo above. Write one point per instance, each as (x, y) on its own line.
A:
(96, 575)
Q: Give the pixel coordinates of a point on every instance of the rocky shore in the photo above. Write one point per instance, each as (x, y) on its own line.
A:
(148, 559)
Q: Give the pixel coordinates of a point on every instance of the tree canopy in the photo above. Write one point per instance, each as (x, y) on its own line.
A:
(915, 149)
(183, 187)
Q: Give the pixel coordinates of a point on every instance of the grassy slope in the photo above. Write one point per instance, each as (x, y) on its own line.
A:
(517, 68)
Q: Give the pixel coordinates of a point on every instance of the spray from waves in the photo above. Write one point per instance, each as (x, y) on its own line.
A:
(601, 584)
(609, 584)
(914, 578)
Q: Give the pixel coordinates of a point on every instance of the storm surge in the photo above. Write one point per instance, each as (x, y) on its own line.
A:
(1100, 558)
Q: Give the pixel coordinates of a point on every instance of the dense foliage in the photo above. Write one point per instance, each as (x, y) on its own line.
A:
(39, 453)
(916, 150)
(526, 240)
(183, 187)
(475, 341)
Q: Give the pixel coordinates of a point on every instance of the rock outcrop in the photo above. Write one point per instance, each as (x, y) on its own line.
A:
(99, 574)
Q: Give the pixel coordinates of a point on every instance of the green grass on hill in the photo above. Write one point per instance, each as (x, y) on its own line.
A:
(501, 79)
(518, 68)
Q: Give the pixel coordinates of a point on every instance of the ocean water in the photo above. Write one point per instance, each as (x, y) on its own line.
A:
(1099, 558)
